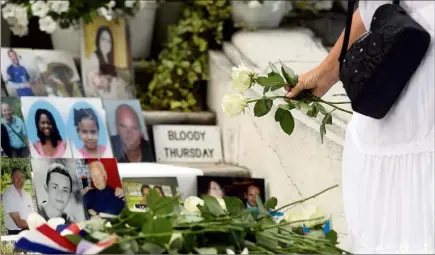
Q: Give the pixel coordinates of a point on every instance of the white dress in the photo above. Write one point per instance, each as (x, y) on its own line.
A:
(388, 164)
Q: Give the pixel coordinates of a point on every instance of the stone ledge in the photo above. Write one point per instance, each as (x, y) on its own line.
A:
(186, 118)
(221, 169)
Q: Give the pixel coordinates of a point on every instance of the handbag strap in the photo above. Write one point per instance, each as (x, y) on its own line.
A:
(350, 11)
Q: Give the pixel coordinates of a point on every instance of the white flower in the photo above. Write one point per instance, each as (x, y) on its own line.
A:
(306, 216)
(40, 9)
(190, 204)
(58, 6)
(242, 77)
(21, 15)
(35, 220)
(142, 4)
(254, 4)
(19, 30)
(111, 4)
(106, 13)
(3, 2)
(54, 222)
(96, 223)
(234, 104)
(130, 3)
(8, 11)
(244, 251)
(47, 24)
(222, 203)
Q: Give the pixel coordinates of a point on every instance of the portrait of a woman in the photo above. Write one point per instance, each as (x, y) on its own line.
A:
(102, 77)
(50, 143)
(215, 190)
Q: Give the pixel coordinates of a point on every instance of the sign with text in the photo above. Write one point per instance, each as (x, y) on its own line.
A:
(187, 143)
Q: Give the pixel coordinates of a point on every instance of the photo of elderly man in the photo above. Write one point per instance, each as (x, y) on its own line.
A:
(17, 199)
(103, 198)
(128, 133)
(11, 120)
(251, 196)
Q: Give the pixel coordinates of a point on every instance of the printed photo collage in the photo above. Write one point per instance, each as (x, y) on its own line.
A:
(106, 66)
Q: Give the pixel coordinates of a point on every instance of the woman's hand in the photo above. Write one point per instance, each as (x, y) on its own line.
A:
(319, 81)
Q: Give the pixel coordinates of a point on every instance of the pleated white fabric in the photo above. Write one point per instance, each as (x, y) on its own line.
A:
(388, 164)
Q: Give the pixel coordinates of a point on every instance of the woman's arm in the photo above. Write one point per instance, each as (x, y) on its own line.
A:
(331, 63)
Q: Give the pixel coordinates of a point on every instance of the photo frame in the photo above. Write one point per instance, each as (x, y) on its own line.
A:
(46, 128)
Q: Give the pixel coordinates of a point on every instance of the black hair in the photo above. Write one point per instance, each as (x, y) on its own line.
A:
(118, 109)
(16, 169)
(106, 68)
(60, 169)
(86, 113)
(55, 135)
(160, 188)
(144, 187)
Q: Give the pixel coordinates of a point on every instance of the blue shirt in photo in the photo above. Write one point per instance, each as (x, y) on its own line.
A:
(16, 139)
(103, 201)
(18, 74)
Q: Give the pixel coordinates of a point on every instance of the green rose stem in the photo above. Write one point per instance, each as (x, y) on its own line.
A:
(317, 99)
(305, 199)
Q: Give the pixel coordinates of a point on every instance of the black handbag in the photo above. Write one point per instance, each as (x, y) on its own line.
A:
(378, 66)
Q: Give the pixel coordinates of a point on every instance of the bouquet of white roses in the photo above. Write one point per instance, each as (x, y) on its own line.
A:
(235, 103)
(198, 226)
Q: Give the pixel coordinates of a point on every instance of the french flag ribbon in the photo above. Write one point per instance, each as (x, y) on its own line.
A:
(71, 229)
(44, 240)
(86, 247)
(326, 228)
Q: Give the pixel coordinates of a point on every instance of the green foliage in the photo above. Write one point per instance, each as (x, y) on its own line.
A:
(183, 63)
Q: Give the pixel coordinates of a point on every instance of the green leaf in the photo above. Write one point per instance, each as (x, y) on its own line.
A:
(234, 205)
(278, 114)
(314, 111)
(265, 90)
(276, 87)
(305, 106)
(260, 205)
(327, 119)
(262, 107)
(332, 237)
(161, 226)
(272, 80)
(152, 248)
(75, 239)
(265, 237)
(285, 106)
(322, 131)
(211, 205)
(288, 75)
(271, 203)
(273, 68)
(153, 198)
(210, 250)
(287, 122)
(165, 205)
(139, 219)
(321, 108)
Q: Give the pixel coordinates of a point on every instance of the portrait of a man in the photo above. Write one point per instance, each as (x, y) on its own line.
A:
(15, 143)
(102, 198)
(251, 195)
(17, 75)
(57, 192)
(16, 200)
(128, 132)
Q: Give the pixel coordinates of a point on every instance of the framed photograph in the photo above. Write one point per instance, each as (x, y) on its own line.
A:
(20, 72)
(100, 186)
(47, 133)
(57, 189)
(106, 59)
(87, 129)
(136, 190)
(16, 177)
(186, 176)
(59, 73)
(14, 138)
(127, 129)
(246, 189)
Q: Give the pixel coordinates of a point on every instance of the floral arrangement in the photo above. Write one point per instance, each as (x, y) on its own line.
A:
(199, 226)
(234, 103)
(63, 13)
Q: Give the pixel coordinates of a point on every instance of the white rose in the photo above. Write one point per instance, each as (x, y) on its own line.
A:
(19, 30)
(244, 251)
(35, 220)
(47, 24)
(3, 2)
(242, 77)
(234, 104)
(40, 9)
(130, 3)
(106, 13)
(111, 4)
(58, 6)
(8, 11)
(96, 223)
(254, 4)
(190, 204)
(311, 213)
(292, 216)
(222, 203)
(21, 15)
(54, 222)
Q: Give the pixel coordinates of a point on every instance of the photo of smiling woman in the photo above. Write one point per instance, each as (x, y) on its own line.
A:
(107, 60)
(46, 128)
(50, 143)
